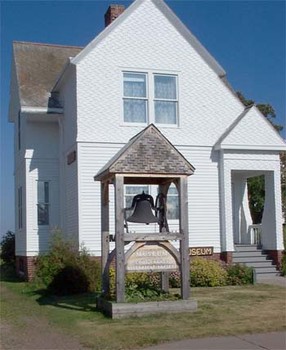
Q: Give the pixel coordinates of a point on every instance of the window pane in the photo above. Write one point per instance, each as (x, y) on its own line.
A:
(134, 85)
(165, 87)
(165, 112)
(43, 214)
(41, 192)
(172, 203)
(136, 190)
(135, 111)
(46, 190)
(43, 202)
(172, 208)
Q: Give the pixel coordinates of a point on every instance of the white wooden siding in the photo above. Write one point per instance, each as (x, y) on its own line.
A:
(20, 234)
(69, 173)
(206, 106)
(204, 225)
(70, 199)
(38, 237)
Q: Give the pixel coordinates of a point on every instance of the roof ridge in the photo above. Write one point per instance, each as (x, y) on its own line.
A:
(47, 44)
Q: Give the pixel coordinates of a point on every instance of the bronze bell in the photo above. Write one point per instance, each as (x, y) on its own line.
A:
(143, 205)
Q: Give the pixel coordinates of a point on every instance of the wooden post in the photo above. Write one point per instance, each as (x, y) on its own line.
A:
(119, 238)
(184, 243)
(104, 236)
(163, 188)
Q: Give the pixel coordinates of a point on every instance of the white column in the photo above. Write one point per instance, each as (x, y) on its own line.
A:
(272, 237)
(241, 212)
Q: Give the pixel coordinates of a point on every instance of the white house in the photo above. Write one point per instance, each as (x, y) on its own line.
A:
(75, 108)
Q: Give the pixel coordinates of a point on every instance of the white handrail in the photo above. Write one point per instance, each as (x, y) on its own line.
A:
(254, 233)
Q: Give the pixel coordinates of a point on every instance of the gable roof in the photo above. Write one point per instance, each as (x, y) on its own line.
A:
(172, 18)
(37, 68)
(251, 131)
(148, 152)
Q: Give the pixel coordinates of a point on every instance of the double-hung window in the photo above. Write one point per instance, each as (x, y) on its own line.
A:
(150, 98)
(43, 203)
(165, 99)
(135, 97)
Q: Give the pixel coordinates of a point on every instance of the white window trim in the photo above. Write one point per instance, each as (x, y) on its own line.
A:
(150, 96)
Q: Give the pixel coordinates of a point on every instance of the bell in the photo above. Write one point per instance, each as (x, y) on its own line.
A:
(142, 213)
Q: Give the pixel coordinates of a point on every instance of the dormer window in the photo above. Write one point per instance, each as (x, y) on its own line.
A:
(150, 98)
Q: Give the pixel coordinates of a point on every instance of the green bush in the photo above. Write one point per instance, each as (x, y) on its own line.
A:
(64, 256)
(239, 274)
(207, 273)
(7, 244)
(283, 264)
(140, 286)
(68, 281)
(175, 279)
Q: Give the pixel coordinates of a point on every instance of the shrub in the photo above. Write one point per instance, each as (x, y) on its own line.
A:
(8, 248)
(69, 280)
(140, 286)
(207, 273)
(239, 274)
(283, 264)
(62, 259)
(175, 279)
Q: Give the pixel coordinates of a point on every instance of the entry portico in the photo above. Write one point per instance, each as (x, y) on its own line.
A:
(236, 165)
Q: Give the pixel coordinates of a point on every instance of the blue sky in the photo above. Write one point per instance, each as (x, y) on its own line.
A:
(247, 38)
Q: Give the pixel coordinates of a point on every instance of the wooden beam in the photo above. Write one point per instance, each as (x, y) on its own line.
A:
(119, 238)
(104, 236)
(184, 242)
(164, 236)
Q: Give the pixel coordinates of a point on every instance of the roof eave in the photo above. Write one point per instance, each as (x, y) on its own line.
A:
(251, 147)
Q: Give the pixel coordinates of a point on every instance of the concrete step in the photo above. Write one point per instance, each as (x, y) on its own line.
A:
(247, 248)
(252, 256)
(255, 253)
(266, 270)
(260, 264)
(243, 259)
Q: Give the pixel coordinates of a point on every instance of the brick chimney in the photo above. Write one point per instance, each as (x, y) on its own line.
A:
(112, 13)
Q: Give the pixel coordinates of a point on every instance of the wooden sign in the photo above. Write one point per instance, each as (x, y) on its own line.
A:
(201, 251)
(151, 258)
(71, 157)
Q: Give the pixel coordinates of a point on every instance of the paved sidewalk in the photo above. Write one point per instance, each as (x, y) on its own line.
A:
(266, 341)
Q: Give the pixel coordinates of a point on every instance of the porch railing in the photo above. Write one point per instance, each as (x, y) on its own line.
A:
(254, 233)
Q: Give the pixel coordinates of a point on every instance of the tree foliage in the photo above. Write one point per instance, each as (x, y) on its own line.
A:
(8, 248)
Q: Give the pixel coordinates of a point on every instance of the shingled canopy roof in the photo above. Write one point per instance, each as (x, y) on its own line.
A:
(148, 153)
(37, 68)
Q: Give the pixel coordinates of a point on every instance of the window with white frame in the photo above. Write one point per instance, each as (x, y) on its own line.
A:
(150, 98)
(135, 97)
(20, 208)
(165, 99)
(43, 203)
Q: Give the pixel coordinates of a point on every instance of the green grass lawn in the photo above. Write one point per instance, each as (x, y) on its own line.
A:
(221, 311)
